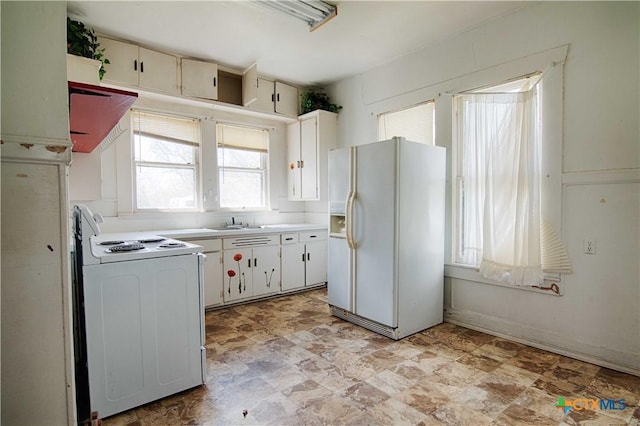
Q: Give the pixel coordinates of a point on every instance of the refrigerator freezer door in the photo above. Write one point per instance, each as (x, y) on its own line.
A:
(338, 178)
(374, 232)
(338, 276)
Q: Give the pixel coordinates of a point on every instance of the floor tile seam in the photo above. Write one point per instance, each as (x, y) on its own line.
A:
(534, 411)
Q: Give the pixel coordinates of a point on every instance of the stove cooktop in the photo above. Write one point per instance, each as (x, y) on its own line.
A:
(133, 246)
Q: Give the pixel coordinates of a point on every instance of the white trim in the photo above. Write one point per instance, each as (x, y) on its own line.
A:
(472, 274)
(67, 298)
(553, 342)
(601, 177)
(35, 149)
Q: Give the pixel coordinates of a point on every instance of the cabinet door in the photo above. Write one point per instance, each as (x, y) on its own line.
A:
(309, 157)
(124, 64)
(237, 274)
(266, 270)
(286, 98)
(250, 86)
(294, 190)
(316, 262)
(158, 71)
(264, 97)
(199, 79)
(293, 261)
(213, 280)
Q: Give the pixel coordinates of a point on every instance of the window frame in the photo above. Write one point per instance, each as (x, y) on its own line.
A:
(263, 170)
(196, 166)
(551, 63)
(457, 166)
(406, 108)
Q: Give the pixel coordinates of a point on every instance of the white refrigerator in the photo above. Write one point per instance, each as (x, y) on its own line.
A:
(386, 241)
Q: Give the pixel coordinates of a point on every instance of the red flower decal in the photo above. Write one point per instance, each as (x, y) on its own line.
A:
(237, 257)
(231, 273)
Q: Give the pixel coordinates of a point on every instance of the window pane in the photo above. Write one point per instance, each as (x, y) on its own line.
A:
(165, 188)
(414, 124)
(156, 150)
(241, 189)
(228, 157)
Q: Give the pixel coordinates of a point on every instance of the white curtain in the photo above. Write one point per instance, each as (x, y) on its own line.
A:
(501, 154)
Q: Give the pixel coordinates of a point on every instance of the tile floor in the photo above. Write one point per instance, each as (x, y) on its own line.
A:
(286, 361)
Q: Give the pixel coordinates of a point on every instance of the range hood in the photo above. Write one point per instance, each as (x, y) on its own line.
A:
(93, 112)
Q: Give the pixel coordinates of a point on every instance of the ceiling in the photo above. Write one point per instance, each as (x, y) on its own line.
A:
(237, 34)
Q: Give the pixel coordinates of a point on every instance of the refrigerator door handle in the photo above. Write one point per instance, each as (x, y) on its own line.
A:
(349, 220)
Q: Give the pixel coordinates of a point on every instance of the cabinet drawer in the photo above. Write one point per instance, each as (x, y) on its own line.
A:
(250, 241)
(308, 236)
(208, 245)
(291, 238)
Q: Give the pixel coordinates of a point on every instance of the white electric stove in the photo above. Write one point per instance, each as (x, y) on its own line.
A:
(138, 317)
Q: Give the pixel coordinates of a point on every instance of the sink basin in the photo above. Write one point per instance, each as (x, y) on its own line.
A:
(282, 225)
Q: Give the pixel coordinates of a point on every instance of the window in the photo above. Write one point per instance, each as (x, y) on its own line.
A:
(497, 134)
(414, 123)
(165, 162)
(242, 160)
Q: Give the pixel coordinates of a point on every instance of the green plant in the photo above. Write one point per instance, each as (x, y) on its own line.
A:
(313, 99)
(82, 41)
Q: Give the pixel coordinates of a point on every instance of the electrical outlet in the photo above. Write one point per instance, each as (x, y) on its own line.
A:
(589, 246)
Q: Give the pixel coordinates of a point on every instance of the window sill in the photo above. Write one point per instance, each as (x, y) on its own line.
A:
(471, 273)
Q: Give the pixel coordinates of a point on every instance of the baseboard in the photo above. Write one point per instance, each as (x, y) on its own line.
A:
(546, 340)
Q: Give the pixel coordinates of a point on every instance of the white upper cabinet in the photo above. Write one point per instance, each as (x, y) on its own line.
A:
(124, 63)
(260, 94)
(308, 144)
(250, 86)
(286, 99)
(158, 71)
(132, 65)
(264, 103)
(199, 79)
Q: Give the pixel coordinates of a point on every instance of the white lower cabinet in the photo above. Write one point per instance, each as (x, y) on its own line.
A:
(238, 275)
(254, 266)
(213, 279)
(304, 259)
(251, 266)
(212, 270)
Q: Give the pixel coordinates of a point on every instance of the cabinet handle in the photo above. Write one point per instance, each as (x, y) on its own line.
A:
(135, 65)
(288, 239)
(301, 164)
(255, 262)
(312, 236)
(303, 257)
(214, 82)
(141, 66)
(273, 99)
(278, 98)
(249, 263)
(308, 256)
